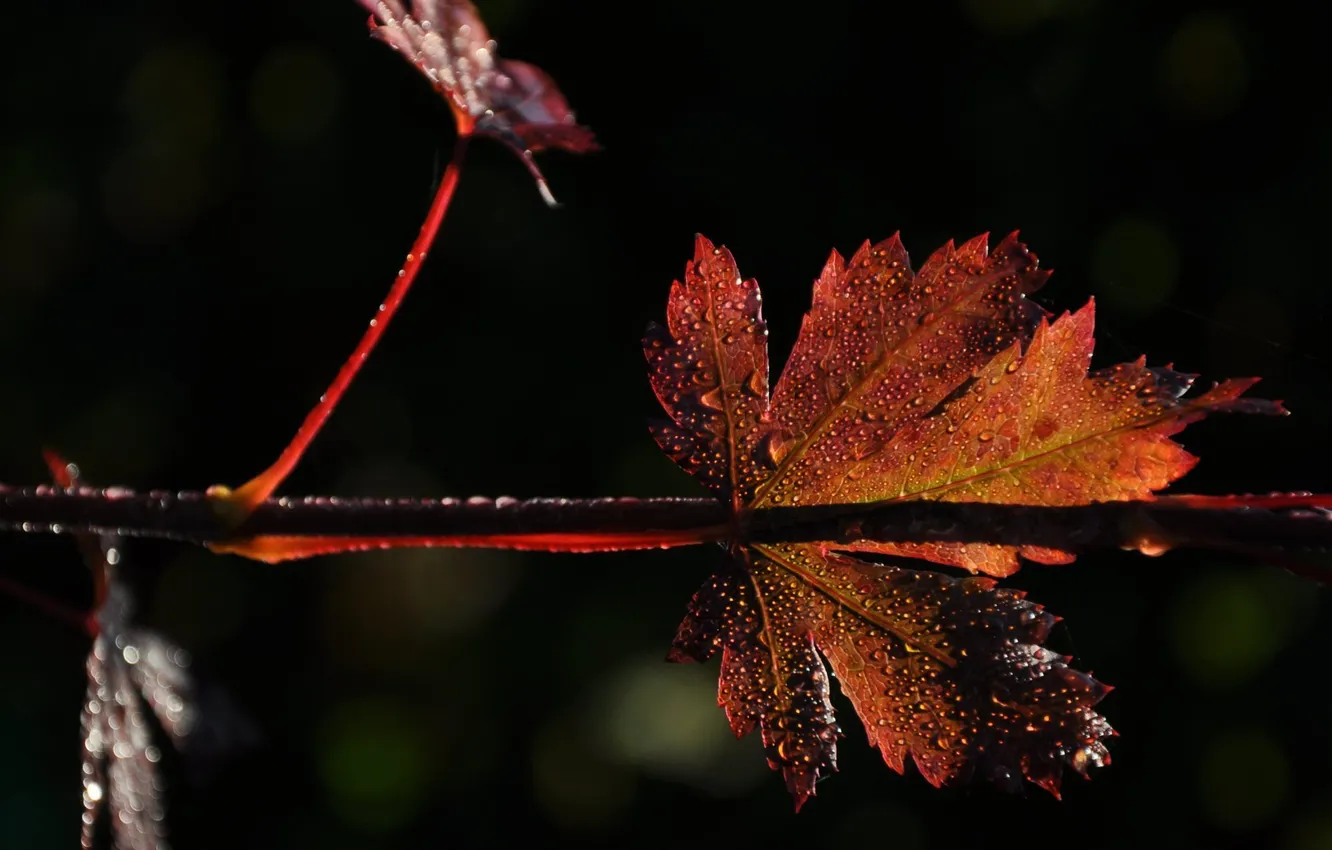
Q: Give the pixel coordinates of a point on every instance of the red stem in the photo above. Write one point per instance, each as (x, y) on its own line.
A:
(1270, 501)
(259, 488)
(274, 549)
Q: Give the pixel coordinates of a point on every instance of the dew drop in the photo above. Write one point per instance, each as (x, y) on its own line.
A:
(713, 398)
(778, 446)
(757, 384)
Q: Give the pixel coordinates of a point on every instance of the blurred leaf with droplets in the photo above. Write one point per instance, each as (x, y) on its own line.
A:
(513, 102)
(127, 667)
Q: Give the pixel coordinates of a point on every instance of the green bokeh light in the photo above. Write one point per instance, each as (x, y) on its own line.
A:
(392, 611)
(1229, 625)
(663, 719)
(296, 96)
(1243, 778)
(174, 93)
(173, 105)
(1135, 264)
(575, 787)
(1312, 830)
(39, 209)
(372, 764)
(870, 825)
(1012, 16)
(1203, 69)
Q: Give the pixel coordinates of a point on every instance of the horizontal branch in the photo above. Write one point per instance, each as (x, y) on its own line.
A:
(1276, 527)
(1151, 527)
(193, 517)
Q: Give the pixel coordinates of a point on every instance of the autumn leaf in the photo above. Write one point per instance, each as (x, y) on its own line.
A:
(1036, 429)
(513, 102)
(948, 384)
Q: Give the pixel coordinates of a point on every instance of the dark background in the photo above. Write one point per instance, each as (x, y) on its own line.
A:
(200, 205)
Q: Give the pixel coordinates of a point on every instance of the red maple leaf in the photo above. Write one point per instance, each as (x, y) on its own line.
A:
(946, 384)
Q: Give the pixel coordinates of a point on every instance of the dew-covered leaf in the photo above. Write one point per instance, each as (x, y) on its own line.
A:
(709, 368)
(945, 383)
(771, 677)
(882, 346)
(948, 671)
(916, 385)
(513, 102)
(1035, 428)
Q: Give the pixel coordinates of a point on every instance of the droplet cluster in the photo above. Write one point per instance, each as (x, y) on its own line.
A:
(709, 368)
(772, 678)
(882, 347)
(120, 772)
(949, 671)
(513, 102)
(447, 41)
(1035, 428)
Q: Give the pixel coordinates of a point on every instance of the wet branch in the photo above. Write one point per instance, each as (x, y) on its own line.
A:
(1284, 534)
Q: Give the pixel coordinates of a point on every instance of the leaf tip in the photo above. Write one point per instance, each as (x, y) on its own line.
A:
(676, 655)
(61, 470)
(801, 783)
(1052, 785)
(800, 800)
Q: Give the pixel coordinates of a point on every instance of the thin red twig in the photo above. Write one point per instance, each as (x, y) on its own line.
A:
(262, 486)
(274, 549)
